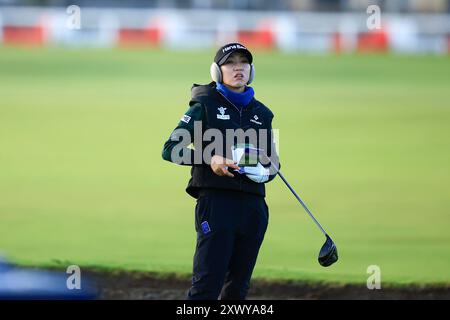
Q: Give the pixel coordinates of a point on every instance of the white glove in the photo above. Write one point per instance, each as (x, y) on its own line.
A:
(258, 174)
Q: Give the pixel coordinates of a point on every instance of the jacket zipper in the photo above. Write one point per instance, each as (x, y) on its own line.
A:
(240, 110)
(240, 124)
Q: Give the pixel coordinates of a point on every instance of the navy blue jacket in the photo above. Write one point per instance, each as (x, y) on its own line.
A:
(213, 110)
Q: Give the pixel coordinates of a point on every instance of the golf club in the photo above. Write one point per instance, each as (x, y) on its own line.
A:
(328, 253)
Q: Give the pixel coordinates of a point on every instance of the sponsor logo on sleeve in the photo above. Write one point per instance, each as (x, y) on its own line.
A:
(186, 118)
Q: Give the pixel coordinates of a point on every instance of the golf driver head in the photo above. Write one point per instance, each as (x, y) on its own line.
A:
(328, 253)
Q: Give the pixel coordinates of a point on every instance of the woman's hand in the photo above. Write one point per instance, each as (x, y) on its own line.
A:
(219, 166)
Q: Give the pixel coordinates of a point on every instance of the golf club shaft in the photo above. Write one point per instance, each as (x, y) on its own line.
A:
(293, 191)
(301, 202)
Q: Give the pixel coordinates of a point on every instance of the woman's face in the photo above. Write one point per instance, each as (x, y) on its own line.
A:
(236, 71)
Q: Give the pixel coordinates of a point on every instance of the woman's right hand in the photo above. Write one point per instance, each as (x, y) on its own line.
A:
(219, 166)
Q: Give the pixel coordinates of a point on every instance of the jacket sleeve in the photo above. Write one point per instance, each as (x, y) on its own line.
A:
(179, 147)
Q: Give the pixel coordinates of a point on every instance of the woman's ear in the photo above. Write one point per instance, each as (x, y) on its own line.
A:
(216, 73)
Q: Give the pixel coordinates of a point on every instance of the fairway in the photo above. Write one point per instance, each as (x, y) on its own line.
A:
(364, 140)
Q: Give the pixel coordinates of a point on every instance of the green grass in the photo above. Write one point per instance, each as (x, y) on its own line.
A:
(363, 139)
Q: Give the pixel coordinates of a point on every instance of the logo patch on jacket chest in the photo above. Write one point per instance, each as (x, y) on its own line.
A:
(222, 115)
(255, 117)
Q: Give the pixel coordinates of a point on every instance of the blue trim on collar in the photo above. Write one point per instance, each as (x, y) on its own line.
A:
(239, 99)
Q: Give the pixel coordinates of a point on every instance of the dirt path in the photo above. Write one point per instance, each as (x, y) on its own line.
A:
(134, 285)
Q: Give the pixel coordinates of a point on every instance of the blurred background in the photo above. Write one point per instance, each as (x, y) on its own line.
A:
(90, 91)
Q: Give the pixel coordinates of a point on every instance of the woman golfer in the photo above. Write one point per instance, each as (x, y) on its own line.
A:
(227, 175)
